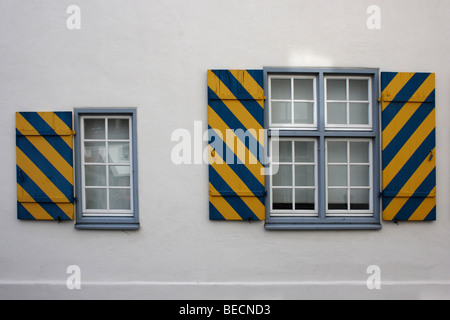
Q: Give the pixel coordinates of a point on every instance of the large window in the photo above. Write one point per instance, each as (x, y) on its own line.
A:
(324, 145)
(106, 148)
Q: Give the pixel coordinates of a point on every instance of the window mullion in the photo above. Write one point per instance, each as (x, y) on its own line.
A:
(107, 163)
(292, 101)
(348, 176)
(321, 148)
(293, 174)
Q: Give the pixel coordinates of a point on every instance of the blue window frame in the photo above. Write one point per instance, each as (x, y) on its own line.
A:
(106, 169)
(324, 142)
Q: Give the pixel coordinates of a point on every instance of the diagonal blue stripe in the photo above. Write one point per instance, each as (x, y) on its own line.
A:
(39, 197)
(23, 213)
(30, 187)
(46, 167)
(393, 108)
(38, 123)
(238, 90)
(241, 170)
(54, 211)
(234, 124)
(66, 117)
(49, 135)
(415, 201)
(397, 143)
(215, 214)
(431, 216)
(232, 198)
(386, 78)
(258, 76)
(411, 87)
(417, 158)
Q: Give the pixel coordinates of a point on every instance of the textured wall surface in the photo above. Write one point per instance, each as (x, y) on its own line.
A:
(154, 55)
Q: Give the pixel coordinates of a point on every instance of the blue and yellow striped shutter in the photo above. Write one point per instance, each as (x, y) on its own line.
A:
(44, 150)
(236, 144)
(409, 146)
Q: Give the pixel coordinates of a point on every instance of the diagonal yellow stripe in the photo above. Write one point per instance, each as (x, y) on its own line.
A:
(237, 185)
(409, 188)
(32, 207)
(24, 126)
(408, 110)
(41, 180)
(52, 156)
(55, 123)
(247, 81)
(58, 126)
(36, 211)
(28, 130)
(425, 89)
(68, 209)
(424, 209)
(394, 87)
(223, 206)
(219, 126)
(398, 122)
(409, 148)
(393, 208)
(236, 107)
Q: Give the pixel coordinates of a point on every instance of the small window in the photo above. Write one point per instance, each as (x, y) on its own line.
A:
(294, 178)
(107, 192)
(348, 103)
(349, 178)
(293, 102)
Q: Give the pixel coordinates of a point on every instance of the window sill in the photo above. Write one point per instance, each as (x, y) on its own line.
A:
(107, 226)
(322, 226)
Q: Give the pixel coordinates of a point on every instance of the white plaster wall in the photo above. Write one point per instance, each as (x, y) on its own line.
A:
(153, 55)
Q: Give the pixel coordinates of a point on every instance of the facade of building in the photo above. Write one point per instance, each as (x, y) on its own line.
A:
(213, 149)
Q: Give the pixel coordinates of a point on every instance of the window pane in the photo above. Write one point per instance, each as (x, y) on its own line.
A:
(304, 199)
(359, 199)
(359, 90)
(119, 176)
(282, 199)
(303, 89)
(283, 177)
(337, 176)
(94, 152)
(284, 152)
(359, 113)
(281, 89)
(281, 112)
(304, 151)
(336, 89)
(95, 176)
(119, 152)
(94, 128)
(337, 199)
(359, 176)
(359, 152)
(119, 199)
(303, 112)
(96, 199)
(304, 176)
(118, 129)
(336, 113)
(337, 151)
